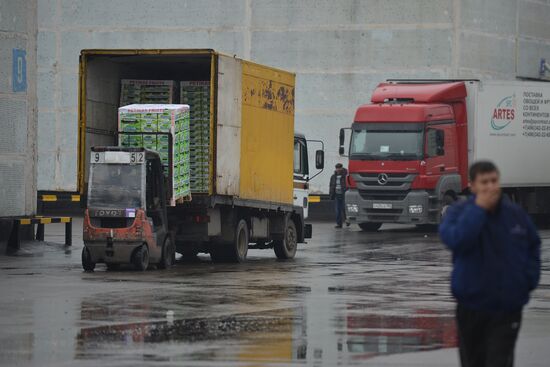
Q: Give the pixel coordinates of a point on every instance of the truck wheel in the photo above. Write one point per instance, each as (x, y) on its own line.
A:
(140, 258)
(168, 254)
(239, 248)
(87, 262)
(286, 248)
(370, 226)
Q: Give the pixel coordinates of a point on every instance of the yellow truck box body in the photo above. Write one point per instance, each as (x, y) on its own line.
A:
(251, 114)
(267, 136)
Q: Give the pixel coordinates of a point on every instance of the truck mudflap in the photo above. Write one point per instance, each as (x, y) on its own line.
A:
(412, 208)
(308, 231)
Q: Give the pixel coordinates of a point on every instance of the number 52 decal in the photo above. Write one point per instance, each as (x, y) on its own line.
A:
(137, 157)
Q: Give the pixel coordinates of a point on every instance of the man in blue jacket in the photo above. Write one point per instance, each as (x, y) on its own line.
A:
(496, 264)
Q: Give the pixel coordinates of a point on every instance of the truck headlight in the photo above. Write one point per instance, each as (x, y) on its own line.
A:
(416, 209)
(353, 208)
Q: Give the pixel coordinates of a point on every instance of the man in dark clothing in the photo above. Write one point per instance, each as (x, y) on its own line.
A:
(337, 190)
(496, 264)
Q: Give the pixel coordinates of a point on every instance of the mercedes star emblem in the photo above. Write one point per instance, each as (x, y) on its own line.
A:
(382, 178)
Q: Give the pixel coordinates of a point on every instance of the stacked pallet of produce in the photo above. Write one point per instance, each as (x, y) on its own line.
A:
(196, 94)
(169, 135)
(133, 91)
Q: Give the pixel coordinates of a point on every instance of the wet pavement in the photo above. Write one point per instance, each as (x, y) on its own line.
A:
(348, 299)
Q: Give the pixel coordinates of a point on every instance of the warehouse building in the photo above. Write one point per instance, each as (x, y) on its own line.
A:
(17, 109)
(340, 50)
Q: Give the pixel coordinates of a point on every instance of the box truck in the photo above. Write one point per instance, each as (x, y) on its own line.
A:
(410, 148)
(253, 161)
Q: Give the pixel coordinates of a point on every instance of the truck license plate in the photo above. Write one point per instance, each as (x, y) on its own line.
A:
(382, 206)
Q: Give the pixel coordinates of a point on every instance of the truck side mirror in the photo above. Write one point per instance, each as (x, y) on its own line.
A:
(342, 138)
(342, 141)
(319, 159)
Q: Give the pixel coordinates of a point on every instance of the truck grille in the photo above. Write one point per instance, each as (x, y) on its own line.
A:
(376, 184)
(390, 175)
(383, 195)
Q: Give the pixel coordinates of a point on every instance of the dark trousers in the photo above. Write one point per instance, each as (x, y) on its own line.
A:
(339, 204)
(487, 339)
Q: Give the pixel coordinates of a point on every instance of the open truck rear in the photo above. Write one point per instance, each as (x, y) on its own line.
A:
(249, 197)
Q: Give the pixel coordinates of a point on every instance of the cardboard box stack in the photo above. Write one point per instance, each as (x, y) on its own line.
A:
(147, 91)
(196, 94)
(161, 118)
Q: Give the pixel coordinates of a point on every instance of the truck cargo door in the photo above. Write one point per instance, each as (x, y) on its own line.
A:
(228, 147)
(441, 157)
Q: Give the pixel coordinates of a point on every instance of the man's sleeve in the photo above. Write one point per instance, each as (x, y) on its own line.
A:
(533, 265)
(461, 226)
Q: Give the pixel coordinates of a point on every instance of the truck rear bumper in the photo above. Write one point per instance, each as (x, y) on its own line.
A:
(118, 253)
(406, 211)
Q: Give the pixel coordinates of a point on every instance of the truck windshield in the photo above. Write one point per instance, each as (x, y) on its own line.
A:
(387, 141)
(116, 186)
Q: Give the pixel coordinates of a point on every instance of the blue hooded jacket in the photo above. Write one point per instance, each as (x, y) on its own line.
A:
(496, 255)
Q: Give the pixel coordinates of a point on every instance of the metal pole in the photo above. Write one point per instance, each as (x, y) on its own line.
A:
(40, 232)
(69, 233)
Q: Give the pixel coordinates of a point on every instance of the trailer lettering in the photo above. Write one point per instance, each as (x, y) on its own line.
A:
(504, 113)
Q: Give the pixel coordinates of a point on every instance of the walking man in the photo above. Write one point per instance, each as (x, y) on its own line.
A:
(496, 264)
(337, 190)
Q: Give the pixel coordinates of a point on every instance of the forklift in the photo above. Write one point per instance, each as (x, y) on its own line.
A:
(126, 218)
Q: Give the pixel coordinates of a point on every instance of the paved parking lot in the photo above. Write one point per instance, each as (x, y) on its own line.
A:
(349, 298)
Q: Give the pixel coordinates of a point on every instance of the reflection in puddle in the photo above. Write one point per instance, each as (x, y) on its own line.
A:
(274, 336)
(371, 335)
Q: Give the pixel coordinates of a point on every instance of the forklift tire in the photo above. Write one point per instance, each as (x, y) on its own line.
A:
(140, 258)
(286, 248)
(370, 226)
(87, 262)
(168, 255)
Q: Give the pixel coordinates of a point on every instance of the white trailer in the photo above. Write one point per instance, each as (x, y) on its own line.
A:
(509, 124)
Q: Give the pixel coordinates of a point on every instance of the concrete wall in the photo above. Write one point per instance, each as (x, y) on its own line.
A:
(340, 50)
(17, 108)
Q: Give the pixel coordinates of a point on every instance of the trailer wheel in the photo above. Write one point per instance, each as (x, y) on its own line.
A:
(370, 226)
(286, 248)
(168, 254)
(87, 262)
(140, 258)
(235, 251)
(239, 248)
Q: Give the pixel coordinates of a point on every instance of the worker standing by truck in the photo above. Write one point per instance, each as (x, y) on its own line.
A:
(496, 263)
(337, 191)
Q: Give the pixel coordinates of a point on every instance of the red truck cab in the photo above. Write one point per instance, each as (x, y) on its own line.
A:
(408, 154)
